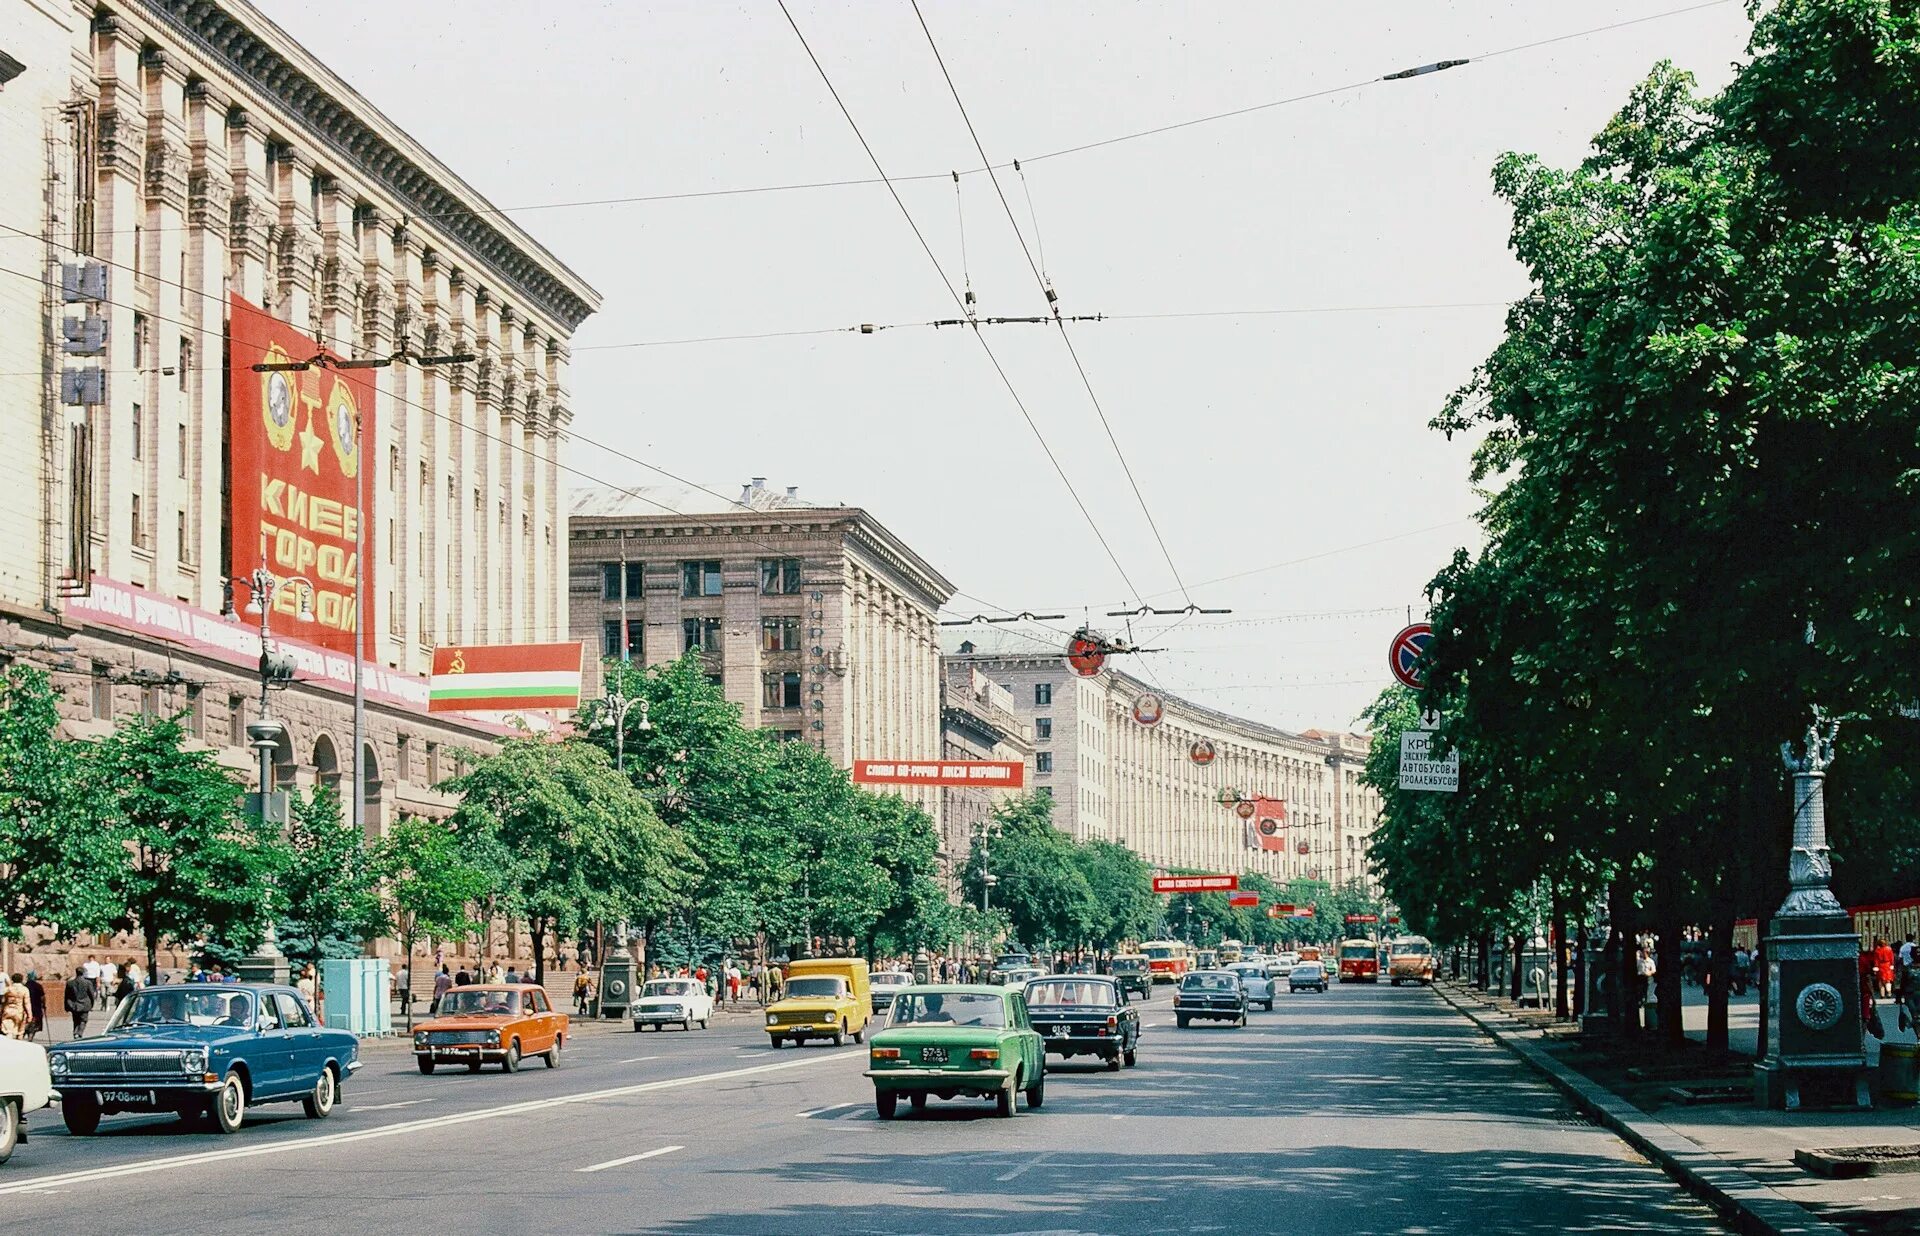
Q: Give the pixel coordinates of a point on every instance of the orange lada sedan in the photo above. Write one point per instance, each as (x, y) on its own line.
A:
(495, 1024)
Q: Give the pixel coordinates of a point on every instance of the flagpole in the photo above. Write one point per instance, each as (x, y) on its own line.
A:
(359, 633)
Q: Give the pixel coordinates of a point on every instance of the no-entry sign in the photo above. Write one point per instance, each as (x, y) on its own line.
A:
(1196, 884)
(1403, 655)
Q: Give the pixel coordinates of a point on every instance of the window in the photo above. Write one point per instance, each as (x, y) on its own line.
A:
(292, 1010)
(139, 430)
(701, 633)
(780, 635)
(101, 697)
(139, 340)
(1043, 762)
(433, 763)
(780, 575)
(610, 645)
(1042, 694)
(609, 581)
(788, 735)
(403, 756)
(139, 525)
(182, 458)
(236, 721)
(699, 579)
(780, 690)
(186, 360)
(269, 1016)
(197, 713)
(180, 526)
(1043, 727)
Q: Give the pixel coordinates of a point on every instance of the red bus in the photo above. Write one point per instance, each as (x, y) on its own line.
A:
(1359, 961)
(1167, 959)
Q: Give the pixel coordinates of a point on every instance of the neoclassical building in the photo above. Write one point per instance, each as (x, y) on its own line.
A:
(1114, 778)
(166, 162)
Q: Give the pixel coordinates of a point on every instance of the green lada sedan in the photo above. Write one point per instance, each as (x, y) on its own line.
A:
(954, 1040)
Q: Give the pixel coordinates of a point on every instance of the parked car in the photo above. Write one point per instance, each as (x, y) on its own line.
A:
(25, 1086)
(1308, 976)
(1210, 995)
(498, 1023)
(825, 998)
(672, 1002)
(951, 1040)
(1254, 981)
(885, 984)
(203, 1049)
(1133, 975)
(1084, 1016)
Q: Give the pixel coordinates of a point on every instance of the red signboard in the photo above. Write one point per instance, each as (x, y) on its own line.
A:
(1363, 918)
(989, 774)
(1243, 899)
(1196, 884)
(299, 487)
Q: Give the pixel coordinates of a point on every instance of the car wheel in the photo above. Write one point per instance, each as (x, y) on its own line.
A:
(81, 1114)
(1268, 1006)
(637, 1027)
(885, 1103)
(775, 1041)
(687, 1023)
(1037, 1093)
(9, 1128)
(553, 1053)
(703, 1023)
(1003, 1099)
(425, 1063)
(1113, 1063)
(840, 1035)
(1180, 1020)
(1240, 1022)
(860, 1034)
(919, 1104)
(510, 1063)
(230, 1105)
(1130, 1056)
(319, 1103)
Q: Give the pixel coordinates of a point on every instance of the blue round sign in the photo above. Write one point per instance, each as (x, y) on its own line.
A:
(1403, 657)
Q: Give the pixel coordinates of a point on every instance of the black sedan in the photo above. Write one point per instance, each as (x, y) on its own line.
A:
(1084, 1015)
(1210, 995)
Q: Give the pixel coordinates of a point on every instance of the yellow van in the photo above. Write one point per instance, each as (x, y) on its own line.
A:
(825, 998)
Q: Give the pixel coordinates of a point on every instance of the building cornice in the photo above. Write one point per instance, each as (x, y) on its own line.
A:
(241, 43)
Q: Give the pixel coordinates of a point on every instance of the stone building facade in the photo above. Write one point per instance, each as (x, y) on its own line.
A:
(815, 620)
(1113, 778)
(161, 157)
(978, 721)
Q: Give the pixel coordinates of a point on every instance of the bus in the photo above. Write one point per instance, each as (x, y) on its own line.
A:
(1168, 959)
(1410, 960)
(1359, 961)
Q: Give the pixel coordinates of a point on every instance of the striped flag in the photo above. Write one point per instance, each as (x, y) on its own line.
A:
(504, 677)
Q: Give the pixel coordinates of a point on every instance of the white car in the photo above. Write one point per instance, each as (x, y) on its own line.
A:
(885, 985)
(1254, 981)
(1280, 965)
(25, 1086)
(672, 1002)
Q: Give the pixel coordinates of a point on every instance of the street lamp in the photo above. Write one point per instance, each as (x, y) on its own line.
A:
(619, 705)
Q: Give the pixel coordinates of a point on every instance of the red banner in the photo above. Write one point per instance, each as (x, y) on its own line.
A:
(1244, 899)
(297, 443)
(988, 774)
(1196, 884)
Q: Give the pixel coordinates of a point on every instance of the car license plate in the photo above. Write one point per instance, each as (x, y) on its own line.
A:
(933, 1055)
(1061, 1032)
(126, 1096)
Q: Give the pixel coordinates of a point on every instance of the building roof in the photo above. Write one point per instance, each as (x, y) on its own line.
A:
(672, 499)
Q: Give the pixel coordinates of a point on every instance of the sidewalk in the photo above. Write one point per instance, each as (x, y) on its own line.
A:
(1737, 1156)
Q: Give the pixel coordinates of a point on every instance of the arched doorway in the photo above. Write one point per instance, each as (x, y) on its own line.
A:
(370, 801)
(283, 766)
(326, 763)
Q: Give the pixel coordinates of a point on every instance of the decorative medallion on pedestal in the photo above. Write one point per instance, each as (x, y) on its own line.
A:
(1819, 1006)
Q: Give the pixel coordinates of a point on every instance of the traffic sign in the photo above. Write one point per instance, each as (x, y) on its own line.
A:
(1403, 655)
(1086, 654)
(1196, 884)
(1420, 771)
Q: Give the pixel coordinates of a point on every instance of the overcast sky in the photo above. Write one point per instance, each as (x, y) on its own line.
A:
(1293, 438)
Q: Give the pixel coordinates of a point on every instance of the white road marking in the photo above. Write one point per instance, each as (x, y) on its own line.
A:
(381, 1107)
(1023, 1169)
(821, 1111)
(172, 1162)
(632, 1158)
(636, 1059)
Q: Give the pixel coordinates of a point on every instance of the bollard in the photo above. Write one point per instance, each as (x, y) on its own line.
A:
(1900, 1073)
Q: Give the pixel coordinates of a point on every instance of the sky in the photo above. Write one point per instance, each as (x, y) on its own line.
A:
(1284, 456)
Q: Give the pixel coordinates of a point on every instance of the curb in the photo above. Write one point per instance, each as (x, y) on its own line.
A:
(1749, 1205)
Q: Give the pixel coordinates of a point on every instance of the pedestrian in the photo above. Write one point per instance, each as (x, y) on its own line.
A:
(733, 983)
(580, 993)
(1643, 974)
(138, 975)
(16, 1008)
(1883, 968)
(308, 984)
(493, 972)
(513, 974)
(37, 992)
(122, 988)
(79, 1001)
(462, 979)
(1742, 961)
(403, 985)
(92, 972)
(442, 984)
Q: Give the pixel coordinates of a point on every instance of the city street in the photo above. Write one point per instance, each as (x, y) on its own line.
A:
(1367, 1109)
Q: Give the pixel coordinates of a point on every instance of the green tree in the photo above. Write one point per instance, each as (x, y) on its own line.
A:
(330, 887)
(190, 867)
(1037, 883)
(56, 859)
(1121, 885)
(428, 883)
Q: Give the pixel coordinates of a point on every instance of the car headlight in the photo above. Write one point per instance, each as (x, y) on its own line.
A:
(772, 1019)
(420, 1037)
(193, 1060)
(57, 1062)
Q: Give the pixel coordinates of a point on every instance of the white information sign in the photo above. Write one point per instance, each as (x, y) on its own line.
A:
(1419, 771)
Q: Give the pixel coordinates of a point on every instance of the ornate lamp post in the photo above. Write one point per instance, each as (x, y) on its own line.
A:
(1812, 954)
(617, 977)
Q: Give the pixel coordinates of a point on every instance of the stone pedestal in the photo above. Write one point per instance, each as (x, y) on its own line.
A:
(618, 976)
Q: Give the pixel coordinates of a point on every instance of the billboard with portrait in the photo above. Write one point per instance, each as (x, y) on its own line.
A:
(297, 445)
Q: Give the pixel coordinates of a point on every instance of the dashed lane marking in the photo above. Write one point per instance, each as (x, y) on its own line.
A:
(632, 1158)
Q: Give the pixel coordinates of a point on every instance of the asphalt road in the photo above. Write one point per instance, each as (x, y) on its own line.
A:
(1368, 1109)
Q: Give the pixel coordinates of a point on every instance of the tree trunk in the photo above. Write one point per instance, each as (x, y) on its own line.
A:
(1562, 962)
(1580, 963)
(1514, 976)
(1666, 976)
(1482, 962)
(1623, 1003)
(1719, 981)
(537, 927)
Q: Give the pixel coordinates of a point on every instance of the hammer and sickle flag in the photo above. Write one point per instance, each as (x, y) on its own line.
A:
(505, 678)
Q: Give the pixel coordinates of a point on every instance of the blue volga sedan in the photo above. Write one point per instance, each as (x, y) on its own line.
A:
(203, 1050)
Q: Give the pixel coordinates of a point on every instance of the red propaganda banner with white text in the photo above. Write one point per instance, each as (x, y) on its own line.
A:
(1196, 884)
(296, 445)
(984, 774)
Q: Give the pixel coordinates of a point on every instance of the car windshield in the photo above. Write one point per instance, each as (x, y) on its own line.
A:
(892, 980)
(1246, 971)
(188, 1007)
(1128, 965)
(1306, 966)
(1418, 949)
(1058, 991)
(1207, 982)
(476, 1002)
(819, 987)
(671, 987)
(949, 1008)
(1356, 952)
(1160, 954)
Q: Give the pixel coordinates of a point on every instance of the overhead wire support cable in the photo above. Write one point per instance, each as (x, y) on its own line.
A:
(1053, 302)
(941, 271)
